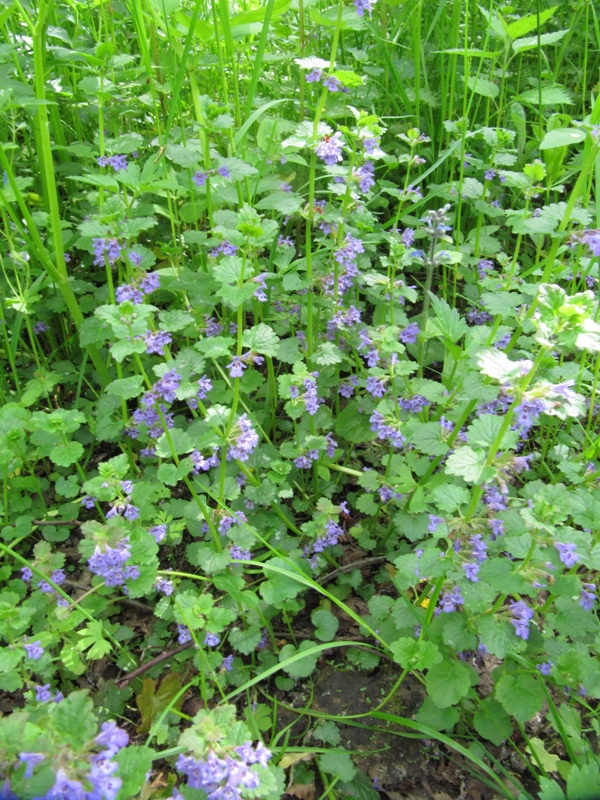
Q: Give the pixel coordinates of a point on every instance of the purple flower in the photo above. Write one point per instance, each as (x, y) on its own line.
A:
(522, 615)
(224, 172)
(364, 5)
(365, 175)
(26, 574)
(371, 145)
(434, 522)
(408, 237)
(31, 759)
(376, 386)
(314, 76)
(106, 248)
(109, 563)
(118, 162)
(332, 83)
(239, 553)
(43, 693)
(471, 571)
(227, 664)
(410, 333)
(203, 464)
(329, 149)
(567, 553)
(592, 239)
(200, 178)
(587, 598)
(156, 341)
(237, 367)
(450, 601)
(494, 498)
(183, 634)
(497, 526)
(211, 640)
(527, 412)
(387, 428)
(164, 586)
(111, 738)
(40, 327)
(413, 404)
(545, 668)
(34, 650)
(243, 440)
(476, 317)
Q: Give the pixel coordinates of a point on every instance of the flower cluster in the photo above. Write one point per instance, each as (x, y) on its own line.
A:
(200, 178)
(329, 149)
(387, 428)
(242, 440)
(330, 538)
(118, 162)
(521, 617)
(135, 292)
(225, 775)
(154, 412)
(109, 563)
(106, 250)
(95, 781)
(123, 507)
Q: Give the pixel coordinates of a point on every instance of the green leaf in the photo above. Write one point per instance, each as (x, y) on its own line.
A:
(134, 764)
(496, 364)
(449, 681)
(215, 346)
(551, 96)
(175, 320)
(415, 653)
(328, 353)
(483, 86)
(531, 42)
(353, 425)
(562, 137)
(153, 700)
(66, 453)
(583, 782)
(492, 722)
(235, 296)
(469, 464)
(498, 635)
(73, 719)
(338, 764)
(177, 440)
(170, 475)
(326, 624)
(367, 504)
(484, 430)
(530, 22)
(448, 321)
(301, 668)
(279, 586)
(125, 388)
(92, 639)
(521, 696)
(549, 761)
(328, 732)
(262, 339)
(449, 497)
(245, 640)
(285, 203)
(441, 719)
(427, 437)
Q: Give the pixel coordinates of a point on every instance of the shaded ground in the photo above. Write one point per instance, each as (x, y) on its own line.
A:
(401, 767)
